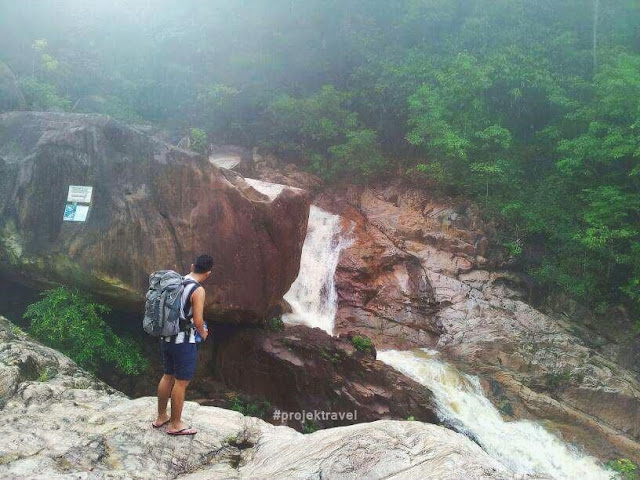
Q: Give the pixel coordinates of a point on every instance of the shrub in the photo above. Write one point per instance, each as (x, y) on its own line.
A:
(250, 409)
(275, 324)
(359, 156)
(362, 344)
(43, 96)
(72, 323)
(198, 140)
(310, 426)
(625, 468)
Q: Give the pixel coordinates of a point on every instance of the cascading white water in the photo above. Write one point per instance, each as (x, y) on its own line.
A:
(312, 295)
(523, 446)
(271, 190)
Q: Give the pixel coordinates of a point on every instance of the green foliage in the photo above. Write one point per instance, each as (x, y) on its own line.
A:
(514, 248)
(109, 105)
(411, 418)
(47, 374)
(198, 140)
(625, 469)
(324, 133)
(275, 324)
(251, 409)
(310, 426)
(43, 96)
(335, 358)
(73, 324)
(360, 155)
(362, 344)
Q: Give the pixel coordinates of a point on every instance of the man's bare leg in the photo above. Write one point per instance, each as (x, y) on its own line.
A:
(164, 392)
(177, 402)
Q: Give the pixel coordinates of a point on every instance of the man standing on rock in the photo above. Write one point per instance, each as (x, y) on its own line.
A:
(179, 352)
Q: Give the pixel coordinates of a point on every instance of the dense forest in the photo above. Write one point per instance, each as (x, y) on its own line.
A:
(531, 107)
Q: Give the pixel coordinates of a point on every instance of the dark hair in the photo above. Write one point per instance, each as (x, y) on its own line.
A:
(202, 263)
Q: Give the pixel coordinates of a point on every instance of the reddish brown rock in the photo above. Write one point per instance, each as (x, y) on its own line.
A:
(154, 207)
(306, 369)
(383, 291)
(269, 169)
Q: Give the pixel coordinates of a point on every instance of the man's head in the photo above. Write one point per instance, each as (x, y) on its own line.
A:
(202, 265)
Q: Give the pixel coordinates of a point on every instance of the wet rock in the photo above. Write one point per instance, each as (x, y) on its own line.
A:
(69, 425)
(232, 157)
(270, 169)
(306, 369)
(153, 207)
(383, 290)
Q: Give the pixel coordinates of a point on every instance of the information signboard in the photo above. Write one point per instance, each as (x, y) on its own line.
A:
(75, 213)
(79, 194)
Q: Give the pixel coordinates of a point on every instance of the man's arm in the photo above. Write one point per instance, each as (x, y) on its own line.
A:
(197, 301)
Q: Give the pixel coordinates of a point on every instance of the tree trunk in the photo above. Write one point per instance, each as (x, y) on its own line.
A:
(596, 11)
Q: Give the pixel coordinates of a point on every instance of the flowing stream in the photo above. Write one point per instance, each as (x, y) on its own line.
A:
(313, 296)
(523, 446)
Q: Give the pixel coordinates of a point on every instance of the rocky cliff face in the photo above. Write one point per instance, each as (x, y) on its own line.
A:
(304, 368)
(60, 422)
(153, 207)
(421, 272)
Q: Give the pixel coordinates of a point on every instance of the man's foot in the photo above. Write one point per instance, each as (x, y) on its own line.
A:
(161, 421)
(182, 431)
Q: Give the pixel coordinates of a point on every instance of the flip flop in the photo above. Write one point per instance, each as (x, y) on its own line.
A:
(184, 431)
(155, 425)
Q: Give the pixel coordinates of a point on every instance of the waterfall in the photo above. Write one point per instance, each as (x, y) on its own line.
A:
(271, 190)
(523, 446)
(312, 295)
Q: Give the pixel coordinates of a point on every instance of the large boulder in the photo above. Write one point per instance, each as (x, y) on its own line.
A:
(59, 422)
(304, 368)
(153, 207)
(11, 97)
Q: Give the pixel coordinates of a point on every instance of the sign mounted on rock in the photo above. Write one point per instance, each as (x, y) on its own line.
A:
(75, 213)
(77, 194)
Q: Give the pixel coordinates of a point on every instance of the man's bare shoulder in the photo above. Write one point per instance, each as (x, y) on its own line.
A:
(199, 292)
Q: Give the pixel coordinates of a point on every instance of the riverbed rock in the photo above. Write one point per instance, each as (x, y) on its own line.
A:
(60, 422)
(303, 368)
(154, 207)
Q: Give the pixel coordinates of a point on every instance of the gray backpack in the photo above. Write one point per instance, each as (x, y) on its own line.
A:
(163, 305)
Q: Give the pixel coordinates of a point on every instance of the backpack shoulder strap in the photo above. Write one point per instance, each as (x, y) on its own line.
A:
(193, 285)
